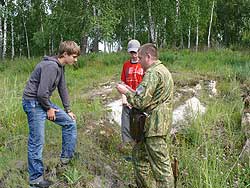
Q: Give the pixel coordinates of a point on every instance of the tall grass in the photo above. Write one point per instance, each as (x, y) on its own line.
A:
(207, 150)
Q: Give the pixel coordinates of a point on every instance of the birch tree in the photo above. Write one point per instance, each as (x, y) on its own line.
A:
(134, 20)
(12, 12)
(197, 29)
(151, 25)
(86, 25)
(4, 30)
(210, 25)
(177, 25)
(12, 39)
(188, 20)
(1, 32)
(23, 14)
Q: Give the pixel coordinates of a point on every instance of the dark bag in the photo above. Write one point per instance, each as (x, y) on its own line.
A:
(137, 123)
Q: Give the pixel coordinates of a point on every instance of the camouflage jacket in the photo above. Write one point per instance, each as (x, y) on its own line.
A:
(154, 95)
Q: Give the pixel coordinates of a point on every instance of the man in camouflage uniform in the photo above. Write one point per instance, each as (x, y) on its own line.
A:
(154, 95)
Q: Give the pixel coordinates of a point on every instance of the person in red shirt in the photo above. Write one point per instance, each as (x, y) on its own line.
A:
(132, 74)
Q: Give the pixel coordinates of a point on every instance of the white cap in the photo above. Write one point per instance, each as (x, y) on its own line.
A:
(133, 45)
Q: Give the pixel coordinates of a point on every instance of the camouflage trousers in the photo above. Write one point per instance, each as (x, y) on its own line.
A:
(152, 156)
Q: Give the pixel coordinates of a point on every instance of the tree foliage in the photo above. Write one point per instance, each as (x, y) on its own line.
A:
(40, 25)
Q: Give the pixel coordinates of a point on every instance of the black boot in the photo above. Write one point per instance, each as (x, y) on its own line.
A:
(42, 184)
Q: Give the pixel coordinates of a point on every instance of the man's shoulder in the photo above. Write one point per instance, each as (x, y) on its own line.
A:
(47, 66)
(48, 63)
(161, 68)
(158, 71)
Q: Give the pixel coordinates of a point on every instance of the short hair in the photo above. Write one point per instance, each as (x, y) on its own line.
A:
(70, 47)
(149, 48)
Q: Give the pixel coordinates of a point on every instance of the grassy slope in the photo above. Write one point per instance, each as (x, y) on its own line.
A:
(207, 151)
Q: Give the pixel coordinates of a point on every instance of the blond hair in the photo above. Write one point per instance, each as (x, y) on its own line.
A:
(149, 48)
(70, 47)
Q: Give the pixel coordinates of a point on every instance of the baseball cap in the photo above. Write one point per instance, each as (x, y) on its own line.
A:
(133, 45)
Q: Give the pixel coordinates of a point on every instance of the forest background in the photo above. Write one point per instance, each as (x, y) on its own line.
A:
(30, 28)
(199, 41)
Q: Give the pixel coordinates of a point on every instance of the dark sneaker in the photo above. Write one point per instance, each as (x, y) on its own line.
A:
(42, 184)
(132, 186)
(128, 158)
(65, 161)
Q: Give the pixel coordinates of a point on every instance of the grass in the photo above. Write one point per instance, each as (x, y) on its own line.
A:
(207, 150)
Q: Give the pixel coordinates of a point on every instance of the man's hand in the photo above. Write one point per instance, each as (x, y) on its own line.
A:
(124, 99)
(51, 113)
(125, 102)
(130, 89)
(122, 88)
(72, 115)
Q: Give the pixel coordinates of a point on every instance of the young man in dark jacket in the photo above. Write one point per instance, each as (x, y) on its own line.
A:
(46, 77)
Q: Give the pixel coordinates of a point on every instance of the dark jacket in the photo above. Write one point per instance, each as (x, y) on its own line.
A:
(46, 77)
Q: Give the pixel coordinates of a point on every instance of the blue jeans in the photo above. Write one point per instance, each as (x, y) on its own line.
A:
(36, 120)
(125, 126)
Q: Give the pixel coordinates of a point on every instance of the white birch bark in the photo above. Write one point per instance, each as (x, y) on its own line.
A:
(44, 49)
(210, 25)
(20, 45)
(105, 46)
(189, 35)
(177, 10)
(51, 44)
(152, 33)
(164, 38)
(1, 34)
(109, 47)
(4, 37)
(95, 43)
(197, 30)
(61, 37)
(12, 39)
(5, 32)
(27, 39)
(176, 28)
(134, 9)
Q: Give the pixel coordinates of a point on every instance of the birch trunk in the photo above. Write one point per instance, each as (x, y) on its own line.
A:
(152, 33)
(20, 45)
(176, 28)
(134, 30)
(210, 25)
(4, 34)
(44, 49)
(105, 46)
(27, 39)
(197, 30)
(177, 10)
(163, 37)
(182, 42)
(51, 44)
(95, 46)
(61, 37)
(1, 36)
(12, 40)
(84, 37)
(189, 35)
(109, 47)
(84, 44)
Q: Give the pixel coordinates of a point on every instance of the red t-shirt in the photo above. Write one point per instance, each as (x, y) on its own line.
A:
(132, 74)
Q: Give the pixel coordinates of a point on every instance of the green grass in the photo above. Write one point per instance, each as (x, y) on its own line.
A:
(207, 150)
